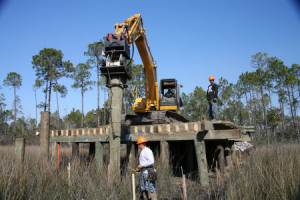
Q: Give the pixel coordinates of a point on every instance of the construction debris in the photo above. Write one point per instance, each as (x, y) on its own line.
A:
(242, 146)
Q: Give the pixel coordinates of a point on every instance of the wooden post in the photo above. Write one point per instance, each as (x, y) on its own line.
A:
(221, 158)
(133, 187)
(20, 150)
(99, 155)
(201, 159)
(69, 174)
(184, 195)
(44, 133)
(75, 150)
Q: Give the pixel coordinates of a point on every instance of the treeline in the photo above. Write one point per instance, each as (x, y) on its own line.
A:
(50, 68)
(267, 97)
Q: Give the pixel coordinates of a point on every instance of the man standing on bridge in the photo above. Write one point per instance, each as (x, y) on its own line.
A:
(146, 166)
(211, 96)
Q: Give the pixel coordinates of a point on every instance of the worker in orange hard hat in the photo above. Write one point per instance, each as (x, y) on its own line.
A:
(146, 165)
(212, 96)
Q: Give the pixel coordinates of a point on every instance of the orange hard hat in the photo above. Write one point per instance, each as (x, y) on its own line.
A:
(211, 78)
(141, 140)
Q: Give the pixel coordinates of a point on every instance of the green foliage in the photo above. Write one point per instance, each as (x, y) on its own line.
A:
(94, 53)
(90, 119)
(137, 84)
(194, 105)
(5, 117)
(56, 123)
(81, 77)
(82, 80)
(73, 119)
(13, 79)
(2, 101)
(61, 89)
(274, 117)
(49, 68)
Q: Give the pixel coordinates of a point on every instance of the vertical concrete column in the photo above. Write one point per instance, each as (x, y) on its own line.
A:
(75, 150)
(45, 132)
(233, 154)
(221, 158)
(228, 156)
(115, 131)
(201, 159)
(165, 153)
(20, 150)
(99, 155)
(54, 151)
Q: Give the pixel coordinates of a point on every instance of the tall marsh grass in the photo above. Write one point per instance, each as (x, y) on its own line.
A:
(269, 173)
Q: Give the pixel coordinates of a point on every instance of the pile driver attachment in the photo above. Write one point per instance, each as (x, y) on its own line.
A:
(117, 53)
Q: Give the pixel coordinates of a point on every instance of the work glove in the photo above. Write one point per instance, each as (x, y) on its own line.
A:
(215, 100)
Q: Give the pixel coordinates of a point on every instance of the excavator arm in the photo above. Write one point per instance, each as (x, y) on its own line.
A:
(133, 30)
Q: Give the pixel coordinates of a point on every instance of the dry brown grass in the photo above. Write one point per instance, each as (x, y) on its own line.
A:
(270, 173)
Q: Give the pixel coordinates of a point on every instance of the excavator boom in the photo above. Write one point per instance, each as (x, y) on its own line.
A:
(134, 31)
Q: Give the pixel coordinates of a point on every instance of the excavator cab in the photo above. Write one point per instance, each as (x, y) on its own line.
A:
(169, 95)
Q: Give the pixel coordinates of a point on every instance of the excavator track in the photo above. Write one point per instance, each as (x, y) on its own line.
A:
(155, 117)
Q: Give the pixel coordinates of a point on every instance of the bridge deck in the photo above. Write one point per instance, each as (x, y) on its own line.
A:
(213, 130)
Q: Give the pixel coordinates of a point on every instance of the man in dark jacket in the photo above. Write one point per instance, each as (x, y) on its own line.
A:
(211, 96)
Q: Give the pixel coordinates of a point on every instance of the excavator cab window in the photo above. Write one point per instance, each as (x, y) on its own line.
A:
(168, 92)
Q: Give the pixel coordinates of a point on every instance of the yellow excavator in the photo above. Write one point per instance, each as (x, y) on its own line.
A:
(160, 105)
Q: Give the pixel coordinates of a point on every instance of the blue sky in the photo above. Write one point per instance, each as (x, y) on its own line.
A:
(190, 40)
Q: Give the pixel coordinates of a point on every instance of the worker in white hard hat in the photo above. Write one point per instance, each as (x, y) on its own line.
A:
(146, 166)
(212, 96)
